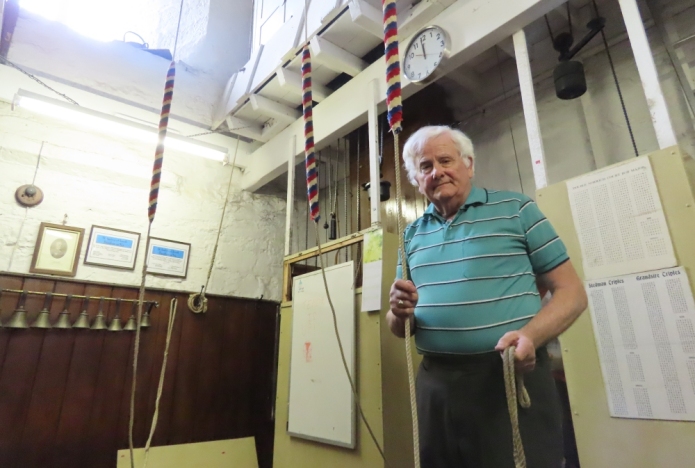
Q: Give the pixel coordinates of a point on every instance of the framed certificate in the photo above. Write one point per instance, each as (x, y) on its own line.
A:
(112, 247)
(166, 257)
(57, 250)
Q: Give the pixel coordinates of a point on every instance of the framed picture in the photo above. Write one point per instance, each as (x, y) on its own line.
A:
(112, 247)
(166, 257)
(57, 250)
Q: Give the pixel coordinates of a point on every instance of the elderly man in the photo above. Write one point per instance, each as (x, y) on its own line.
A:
(477, 259)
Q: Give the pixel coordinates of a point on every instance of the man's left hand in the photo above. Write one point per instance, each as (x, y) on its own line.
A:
(525, 354)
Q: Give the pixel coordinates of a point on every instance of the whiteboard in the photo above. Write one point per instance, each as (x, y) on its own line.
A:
(321, 405)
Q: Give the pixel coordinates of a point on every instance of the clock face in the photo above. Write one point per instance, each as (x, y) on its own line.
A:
(425, 52)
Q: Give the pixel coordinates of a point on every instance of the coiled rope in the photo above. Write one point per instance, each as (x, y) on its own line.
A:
(516, 396)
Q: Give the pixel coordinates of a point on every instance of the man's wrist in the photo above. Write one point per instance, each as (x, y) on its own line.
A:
(529, 334)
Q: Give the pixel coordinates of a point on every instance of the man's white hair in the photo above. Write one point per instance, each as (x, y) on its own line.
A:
(415, 145)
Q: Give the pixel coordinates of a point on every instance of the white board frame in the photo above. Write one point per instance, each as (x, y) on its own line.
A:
(321, 403)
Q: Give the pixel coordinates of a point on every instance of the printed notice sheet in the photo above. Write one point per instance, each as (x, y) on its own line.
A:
(644, 325)
(620, 222)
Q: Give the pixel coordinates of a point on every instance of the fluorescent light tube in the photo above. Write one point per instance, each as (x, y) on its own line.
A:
(112, 125)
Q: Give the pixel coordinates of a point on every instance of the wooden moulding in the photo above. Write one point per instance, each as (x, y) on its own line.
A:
(331, 246)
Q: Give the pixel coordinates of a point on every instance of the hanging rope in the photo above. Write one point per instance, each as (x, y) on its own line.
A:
(170, 328)
(404, 270)
(516, 396)
(313, 199)
(393, 66)
(310, 158)
(151, 212)
(198, 303)
(395, 118)
(342, 352)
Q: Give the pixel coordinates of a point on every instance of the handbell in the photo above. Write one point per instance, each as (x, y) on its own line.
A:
(115, 324)
(130, 324)
(64, 317)
(100, 319)
(145, 321)
(19, 317)
(83, 319)
(43, 319)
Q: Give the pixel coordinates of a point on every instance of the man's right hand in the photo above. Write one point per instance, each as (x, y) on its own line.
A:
(403, 299)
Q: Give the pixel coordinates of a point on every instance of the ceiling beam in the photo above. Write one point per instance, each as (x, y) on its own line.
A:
(273, 109)
(245, 128)
(220, 112)
(474, 26)
(273, 128)
(419, 15)
(292, 81)
(335, 58)
(367, 17)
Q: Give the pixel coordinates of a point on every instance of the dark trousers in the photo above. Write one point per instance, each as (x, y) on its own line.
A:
(463, 416)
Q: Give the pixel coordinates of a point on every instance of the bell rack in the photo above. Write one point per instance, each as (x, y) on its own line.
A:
(74, 296)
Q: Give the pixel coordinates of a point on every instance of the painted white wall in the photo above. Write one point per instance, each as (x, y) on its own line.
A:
(99, 180)
(96, 179)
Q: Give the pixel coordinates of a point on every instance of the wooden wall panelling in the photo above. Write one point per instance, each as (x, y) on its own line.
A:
(97, 339)
(80, 386)
(123, 402)
(41, 425)
(208, 377)
(232, 418)
(150, 357)
(103, 415)
(17, 377)
(74, 406)
(264, 397)
(166, 405)
(185, 398)
(8, 302)
(243, 413)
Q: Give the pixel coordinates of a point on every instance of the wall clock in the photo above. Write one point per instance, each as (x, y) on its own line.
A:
(426, 52)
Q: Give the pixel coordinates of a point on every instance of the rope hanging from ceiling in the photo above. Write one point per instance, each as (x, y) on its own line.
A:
(395, 119)
(151, 212)
(312, 179)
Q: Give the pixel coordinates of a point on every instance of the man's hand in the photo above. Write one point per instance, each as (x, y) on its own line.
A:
(525, 354)
(403, 299)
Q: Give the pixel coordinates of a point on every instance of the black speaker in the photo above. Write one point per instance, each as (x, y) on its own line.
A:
(570, 82)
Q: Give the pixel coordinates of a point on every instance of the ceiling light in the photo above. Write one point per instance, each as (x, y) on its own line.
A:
(117, 126)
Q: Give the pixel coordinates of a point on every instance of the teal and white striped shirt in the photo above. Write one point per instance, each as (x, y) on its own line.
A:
(476, 274)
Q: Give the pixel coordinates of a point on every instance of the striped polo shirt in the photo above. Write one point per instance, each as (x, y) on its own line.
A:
(476, 274)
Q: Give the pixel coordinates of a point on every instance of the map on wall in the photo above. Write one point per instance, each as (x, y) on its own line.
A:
(620, 222)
